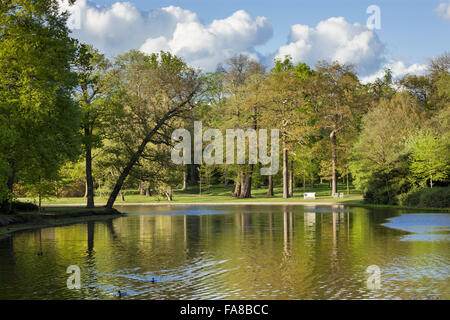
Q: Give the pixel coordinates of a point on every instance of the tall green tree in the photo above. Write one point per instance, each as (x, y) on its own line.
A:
(339, 101)
(240, 81)
(288, 110)
(38, 117)
(93, 71)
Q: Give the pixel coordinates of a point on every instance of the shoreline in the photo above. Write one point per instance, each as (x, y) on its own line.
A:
(204, 204)
(262, 203)
(10, 224)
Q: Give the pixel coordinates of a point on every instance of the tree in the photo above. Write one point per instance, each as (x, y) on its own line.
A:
(339, 102)
(379, 157)
(155, 90)
(92, 70)
(429, 158)
(241, 84)
(287, 109)
(38, 117)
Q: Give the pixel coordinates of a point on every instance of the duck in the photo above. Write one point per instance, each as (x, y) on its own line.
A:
(121, 294)
(153, 280)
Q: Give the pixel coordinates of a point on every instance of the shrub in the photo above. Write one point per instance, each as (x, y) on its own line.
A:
(438, 197)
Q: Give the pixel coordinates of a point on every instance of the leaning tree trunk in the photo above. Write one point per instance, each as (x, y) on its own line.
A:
(270, 186)
(125, 172)
(89, 179)
(333, 162)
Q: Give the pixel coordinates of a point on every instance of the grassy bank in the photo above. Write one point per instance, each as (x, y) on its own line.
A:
(368, 205)
(221, 194)
(54, 216)
(216, 194)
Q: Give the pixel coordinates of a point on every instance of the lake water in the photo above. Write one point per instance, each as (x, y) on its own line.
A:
(235, 252)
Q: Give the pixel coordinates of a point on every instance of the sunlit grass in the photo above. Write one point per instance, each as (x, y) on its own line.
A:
(218, 194)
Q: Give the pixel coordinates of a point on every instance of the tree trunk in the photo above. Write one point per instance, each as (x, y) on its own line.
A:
(304, 182)
(270, 186)
(193, 168)
(169, 195)
(431, 181)
(333, 163)
(237, 186)
(246, 185)
(141, 188)
(348, 187)
(122, 195)
(291, 178)
(89, 179)
(147, 192)
(85, 190)
(40, 203)
(125, 173)
(184, 180)
(285, 174)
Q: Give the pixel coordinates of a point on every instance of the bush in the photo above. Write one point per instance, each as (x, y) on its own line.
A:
(24, 206)
(438, 197)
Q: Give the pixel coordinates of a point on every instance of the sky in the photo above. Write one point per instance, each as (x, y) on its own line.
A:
(205, 33)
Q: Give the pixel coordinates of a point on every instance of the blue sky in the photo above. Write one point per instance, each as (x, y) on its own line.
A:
(411, 31)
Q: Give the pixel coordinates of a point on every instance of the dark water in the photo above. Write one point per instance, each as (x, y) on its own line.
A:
(234, 252)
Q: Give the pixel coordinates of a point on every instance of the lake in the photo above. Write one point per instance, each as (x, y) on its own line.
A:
(235, 252)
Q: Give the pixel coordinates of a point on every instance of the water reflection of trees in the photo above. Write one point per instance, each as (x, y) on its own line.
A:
(256, 249)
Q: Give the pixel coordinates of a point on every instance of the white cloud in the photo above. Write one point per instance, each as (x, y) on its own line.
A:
(335, 39)
(443, 10)
(398, 69)
(121, 27)
(207, 45)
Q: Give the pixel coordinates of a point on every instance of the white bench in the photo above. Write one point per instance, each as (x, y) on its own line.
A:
(309, 195)
(338, 195)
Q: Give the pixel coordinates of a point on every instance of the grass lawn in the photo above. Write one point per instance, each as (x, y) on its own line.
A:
(218, 194)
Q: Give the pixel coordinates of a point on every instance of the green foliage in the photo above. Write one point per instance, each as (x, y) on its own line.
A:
(302, 70)
(429, 158)
(438, 197)
(38, 118)
(379, 157)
